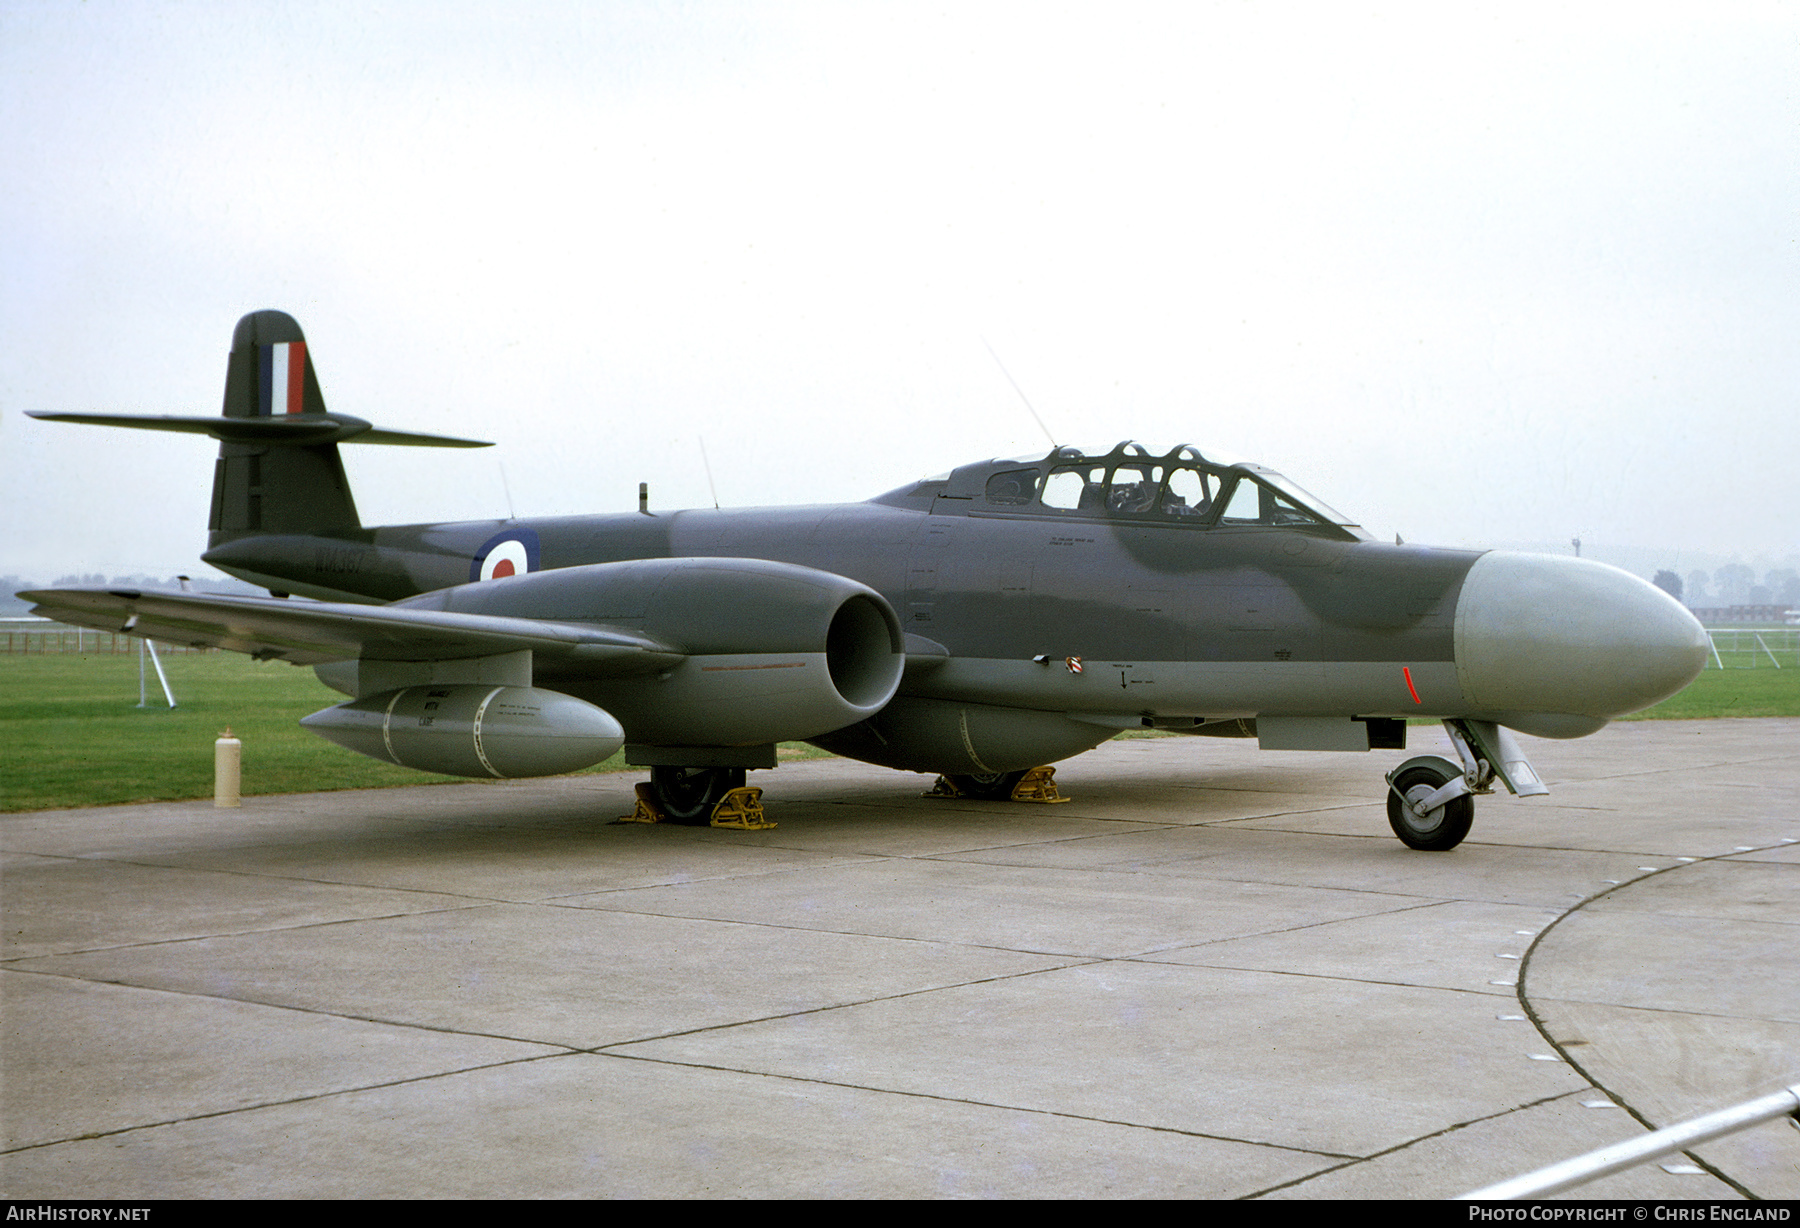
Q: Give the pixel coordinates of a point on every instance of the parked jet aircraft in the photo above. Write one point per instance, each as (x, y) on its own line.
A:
(1006, 615)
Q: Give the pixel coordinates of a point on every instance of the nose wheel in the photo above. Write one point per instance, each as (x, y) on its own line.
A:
(1441, 827)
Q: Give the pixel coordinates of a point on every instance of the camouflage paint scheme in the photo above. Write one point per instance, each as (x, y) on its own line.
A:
(1008, 614)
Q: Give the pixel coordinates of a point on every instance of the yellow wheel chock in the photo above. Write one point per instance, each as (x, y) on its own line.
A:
(647, 810)
(1037, 785)
(741, 809)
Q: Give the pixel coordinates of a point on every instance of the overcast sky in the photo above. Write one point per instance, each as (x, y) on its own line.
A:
(1474, 274)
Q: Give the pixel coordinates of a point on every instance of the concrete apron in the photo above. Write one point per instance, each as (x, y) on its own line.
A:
(1214, 974)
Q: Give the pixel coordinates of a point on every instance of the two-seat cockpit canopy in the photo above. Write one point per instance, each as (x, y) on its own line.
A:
(1131, 484)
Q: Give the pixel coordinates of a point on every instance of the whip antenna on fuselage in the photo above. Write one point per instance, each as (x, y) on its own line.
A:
(506, 486)
(1021, 392)
(709, 478)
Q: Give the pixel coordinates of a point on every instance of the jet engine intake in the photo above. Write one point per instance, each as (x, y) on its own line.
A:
(749, 697)
(488, 732)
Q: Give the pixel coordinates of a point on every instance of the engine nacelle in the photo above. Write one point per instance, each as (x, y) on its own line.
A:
(774, 652)
(489, 732)
(938, 735)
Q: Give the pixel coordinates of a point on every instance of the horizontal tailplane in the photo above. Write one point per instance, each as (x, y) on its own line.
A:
(278, 469)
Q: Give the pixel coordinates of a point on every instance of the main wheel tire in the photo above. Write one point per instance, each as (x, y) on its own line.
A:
(1440, 829)
(688, 795)
(994, 787)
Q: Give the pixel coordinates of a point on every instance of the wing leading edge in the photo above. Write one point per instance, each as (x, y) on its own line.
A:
(313, 633)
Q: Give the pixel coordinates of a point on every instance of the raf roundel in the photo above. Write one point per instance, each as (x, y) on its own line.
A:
(512, 553)
(506, 559)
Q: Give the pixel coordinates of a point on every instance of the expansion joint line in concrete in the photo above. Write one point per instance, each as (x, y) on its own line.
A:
(404, 1024)
(1290, 929)
(297, 927)
(275, 1104)
(984, 1104)
(474, 900)
(1745, 761)
(606, 1049)
(1562, 1052)
(1399, 1147)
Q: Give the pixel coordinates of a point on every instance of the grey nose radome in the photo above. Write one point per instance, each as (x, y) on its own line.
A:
(1556, 646)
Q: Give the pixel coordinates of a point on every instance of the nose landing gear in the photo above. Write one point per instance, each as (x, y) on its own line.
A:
(1430, 800)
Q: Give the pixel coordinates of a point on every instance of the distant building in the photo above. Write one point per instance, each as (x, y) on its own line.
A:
(1743, 613)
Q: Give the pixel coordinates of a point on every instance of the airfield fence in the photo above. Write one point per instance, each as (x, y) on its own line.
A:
(74, 640)
(1750, 648)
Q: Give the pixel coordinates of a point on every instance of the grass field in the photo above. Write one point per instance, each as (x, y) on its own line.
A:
(71, 733)
(74, 736)
(1731, 692)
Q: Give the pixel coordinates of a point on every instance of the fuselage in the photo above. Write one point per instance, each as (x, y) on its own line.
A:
(1121, 617)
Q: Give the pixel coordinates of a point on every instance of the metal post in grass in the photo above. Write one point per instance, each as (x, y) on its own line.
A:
(228, 764)
(145, 645)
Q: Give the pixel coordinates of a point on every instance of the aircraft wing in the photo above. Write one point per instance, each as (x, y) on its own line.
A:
(311, 633)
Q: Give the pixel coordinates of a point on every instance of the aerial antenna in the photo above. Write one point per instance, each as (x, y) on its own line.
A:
(507, 487)
(708, 464)
(1021, 392)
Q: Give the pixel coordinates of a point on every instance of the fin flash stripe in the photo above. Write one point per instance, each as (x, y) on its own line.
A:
(282, 379)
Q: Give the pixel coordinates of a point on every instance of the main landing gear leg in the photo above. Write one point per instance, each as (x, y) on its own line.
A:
(687, 795)
(699, 797)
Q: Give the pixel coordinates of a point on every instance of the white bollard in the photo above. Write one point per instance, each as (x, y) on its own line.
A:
(228, 760)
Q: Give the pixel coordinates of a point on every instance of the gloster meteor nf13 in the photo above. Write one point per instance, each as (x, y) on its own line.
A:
(1004, 616)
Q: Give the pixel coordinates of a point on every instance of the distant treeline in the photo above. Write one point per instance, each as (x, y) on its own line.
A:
(1733, 584)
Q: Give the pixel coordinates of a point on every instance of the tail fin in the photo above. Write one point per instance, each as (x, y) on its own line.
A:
(278, 469)
(261, 486)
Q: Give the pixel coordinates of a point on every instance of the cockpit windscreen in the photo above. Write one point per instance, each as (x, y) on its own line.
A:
(1181, 487)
